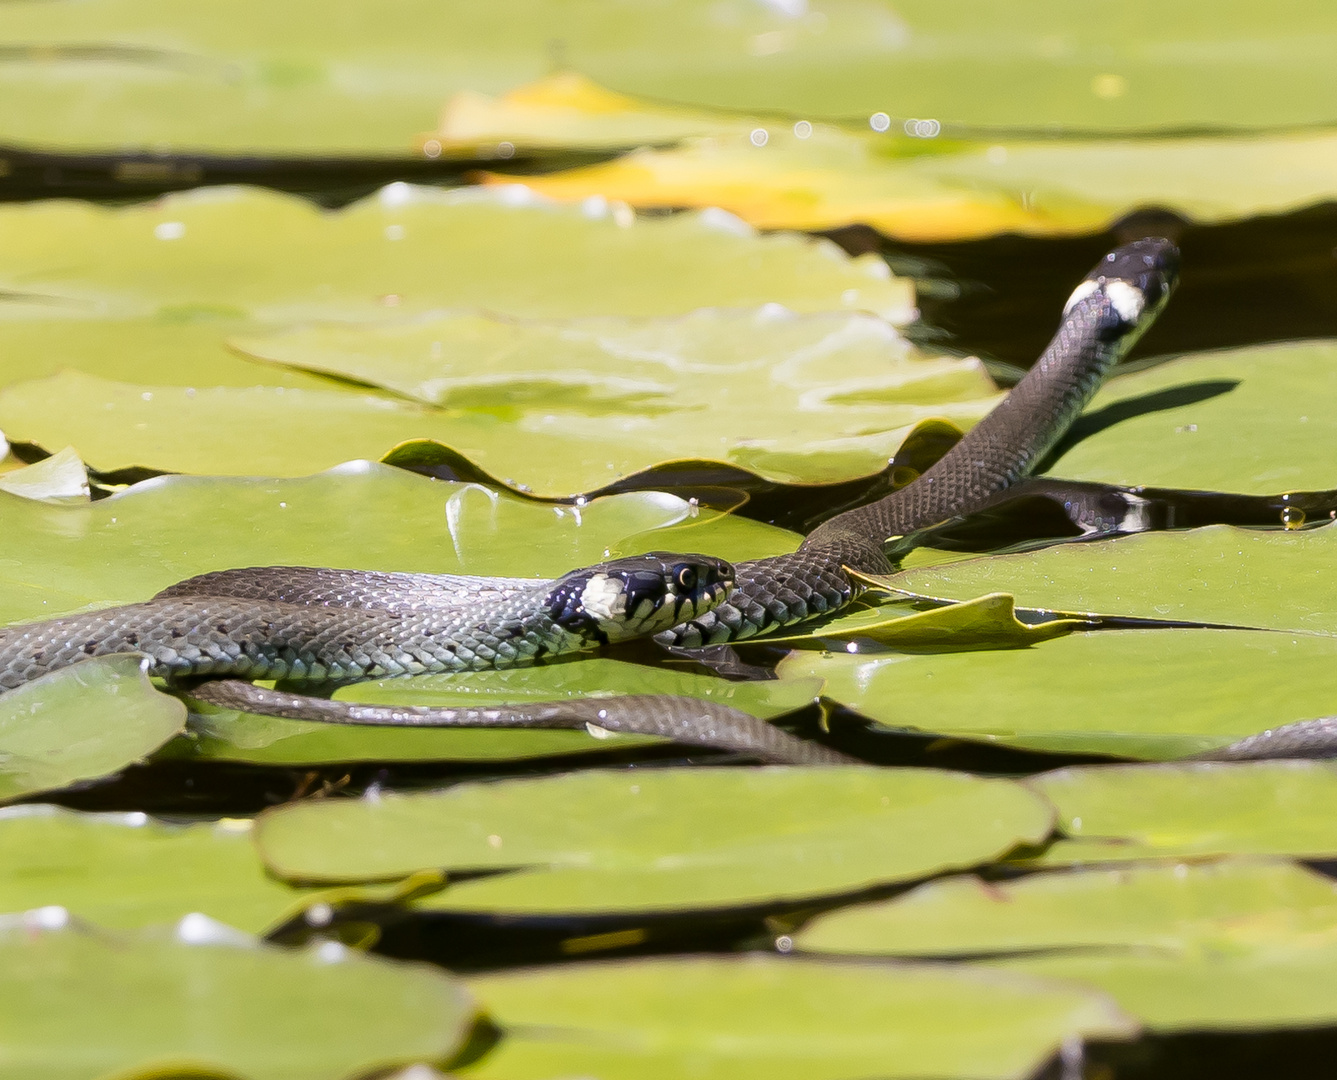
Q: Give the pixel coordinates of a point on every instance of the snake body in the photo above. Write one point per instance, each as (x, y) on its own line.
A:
(317, 625)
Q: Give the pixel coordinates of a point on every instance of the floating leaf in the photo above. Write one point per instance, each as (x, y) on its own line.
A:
(81, 722)
(269, 741)
(1207, 987)
(322, 79)
(660, 840)
(59, 478)
(1134, 693)
(57, 559)
(1235, 901)
(127, 870)
(990, 622)
(755, 1017)
(244, 253)
(1115, 813)
(1218, 575)
(791, 397)
(79, 1004)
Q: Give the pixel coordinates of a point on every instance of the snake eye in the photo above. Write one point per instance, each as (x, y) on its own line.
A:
(685, 576)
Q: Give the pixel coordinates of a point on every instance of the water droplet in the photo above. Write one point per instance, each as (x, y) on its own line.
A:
(1292, 517)
(170, 230)
(879, 121)
(996, 155)
(923, 129)
(394, 232)
(505, 150)
(494, 841)
(431, 148)
(784, 943)
(760, 137)
(803, 129)
(320, 915)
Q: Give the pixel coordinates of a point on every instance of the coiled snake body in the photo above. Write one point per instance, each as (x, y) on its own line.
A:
(320, 625)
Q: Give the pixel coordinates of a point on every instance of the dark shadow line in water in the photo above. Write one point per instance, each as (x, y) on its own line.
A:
(1172, 397)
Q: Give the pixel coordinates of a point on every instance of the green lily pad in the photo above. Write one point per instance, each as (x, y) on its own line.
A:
(664, 840)
(938, 189)
(265, 740)
(127, 870)
(1189, 691)
(754, 1017)
(1235, 901)
(1206, 987)
(321, 79)
(989, 622)
(245, 253)
(57, 559)
(79, 1004)
(81, 722)
(1259, 421)
(1217, 575)
(1116, 813)
(791, 397)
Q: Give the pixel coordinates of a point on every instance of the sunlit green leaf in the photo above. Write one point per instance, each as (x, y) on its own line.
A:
(790, 397)
(1134, 693)
(1206, 987)
(312, 78)
(1115, 813)
(1260, 420)
(987, 622)
(1218, 575)
(126, 870)
(81, 722)
(766, 1018)
(668, 839)
(80, 1004)
(1240, 901)
(56, 559)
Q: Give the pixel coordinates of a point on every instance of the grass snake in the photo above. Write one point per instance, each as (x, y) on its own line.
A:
(316, 626)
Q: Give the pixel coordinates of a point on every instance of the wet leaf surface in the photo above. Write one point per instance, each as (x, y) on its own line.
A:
(1117, 813)
(81, 722)
(1218, 575)
(80, 1003)
(1196, 690)
(769, 1017)
(671, 839)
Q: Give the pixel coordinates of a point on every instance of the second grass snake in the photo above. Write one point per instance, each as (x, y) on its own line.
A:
(320, 626)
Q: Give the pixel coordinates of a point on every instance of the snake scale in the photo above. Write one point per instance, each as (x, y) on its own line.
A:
(326, 626)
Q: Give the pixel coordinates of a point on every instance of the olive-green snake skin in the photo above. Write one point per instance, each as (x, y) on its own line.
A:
(323, 626)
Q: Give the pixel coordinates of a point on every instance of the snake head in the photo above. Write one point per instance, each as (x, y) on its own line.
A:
(638, 596)
(1131, 284)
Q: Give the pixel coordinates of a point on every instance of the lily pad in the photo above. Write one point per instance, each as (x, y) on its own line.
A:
(127, 870)
(1234, 901)
(269, 741)
(57, 559)
(1257, 421)
(1218, 575)
(791, 397)
(989, 622)
(1116, 813)
(754, 1017)
(1206, 987)
(672, 839)
(59, 478)
(81, 722)
(411, 250)
(1135, 693)
(78, 1004)
(326, 79)
(775, 175)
